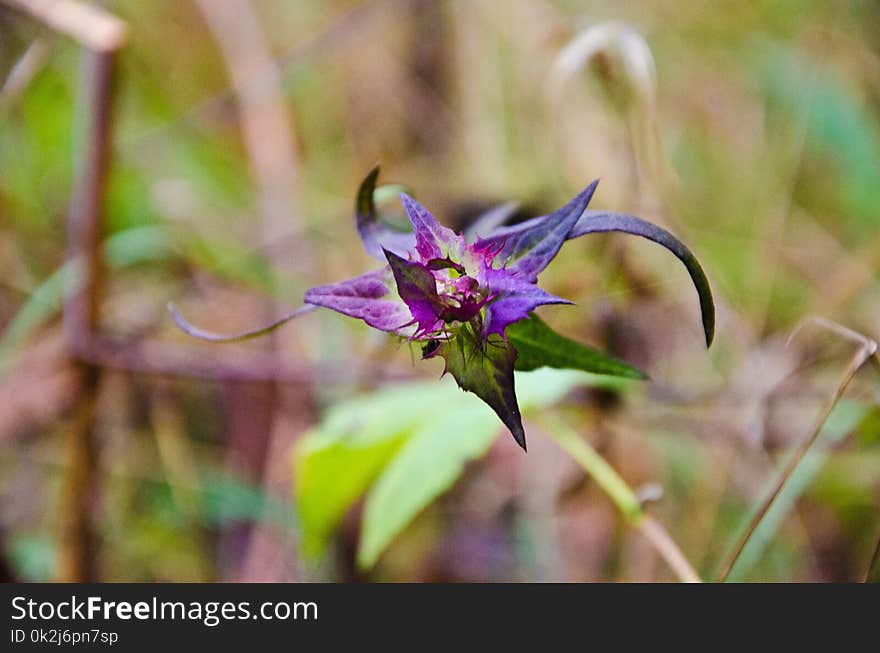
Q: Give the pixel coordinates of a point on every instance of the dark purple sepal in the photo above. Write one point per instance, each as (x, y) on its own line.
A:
(604, 221)
(417, 287)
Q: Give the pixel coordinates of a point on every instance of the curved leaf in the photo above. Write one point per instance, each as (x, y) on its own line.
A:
(375, 235)
(603, 221)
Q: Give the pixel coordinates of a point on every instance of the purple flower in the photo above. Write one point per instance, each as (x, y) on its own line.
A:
(436, 282)
(459, 295)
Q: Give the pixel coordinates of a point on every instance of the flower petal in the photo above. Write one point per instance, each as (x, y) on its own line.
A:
(369, 297)
(514, 299)
(433, 240)
(375, 235)
(528, 248)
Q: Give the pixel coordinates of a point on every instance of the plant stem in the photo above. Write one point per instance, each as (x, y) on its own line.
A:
(622, 496)
(81, 305)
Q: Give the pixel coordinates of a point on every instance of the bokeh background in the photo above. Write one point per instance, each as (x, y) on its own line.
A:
(240, 133)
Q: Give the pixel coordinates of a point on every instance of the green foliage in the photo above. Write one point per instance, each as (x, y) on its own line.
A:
(402, 446)
(121, 250)
(227, 500)
(841, 132)
(338, 459)
(425, 467)
(540, 346)
(34, 556)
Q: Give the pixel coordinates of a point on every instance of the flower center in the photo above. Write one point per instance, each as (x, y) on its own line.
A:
(461, 296)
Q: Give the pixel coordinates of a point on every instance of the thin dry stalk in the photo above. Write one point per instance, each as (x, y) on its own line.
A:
(24, 70)
(623, 497)
(663, 543)
(865, 352)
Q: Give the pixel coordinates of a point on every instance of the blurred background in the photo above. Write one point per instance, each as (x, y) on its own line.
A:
(239, 134)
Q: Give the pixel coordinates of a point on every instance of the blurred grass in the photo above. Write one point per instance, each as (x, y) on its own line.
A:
(768, 120)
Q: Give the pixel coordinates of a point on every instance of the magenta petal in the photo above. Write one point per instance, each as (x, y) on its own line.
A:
(433, 240)
(369, 297)
(514, 299)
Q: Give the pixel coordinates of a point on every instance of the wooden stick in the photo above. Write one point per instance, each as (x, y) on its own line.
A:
(81, 304)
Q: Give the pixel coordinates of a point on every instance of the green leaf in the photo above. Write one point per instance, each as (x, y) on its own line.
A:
(425, 467)
(337, 461)
(486, 369)
(387, 440)
(456, 429)
(331, 479)
(540, 346)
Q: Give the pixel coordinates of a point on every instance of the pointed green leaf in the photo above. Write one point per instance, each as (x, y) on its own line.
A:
(486, 369)
(540, 346)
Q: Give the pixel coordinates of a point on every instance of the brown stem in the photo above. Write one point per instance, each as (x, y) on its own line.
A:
(77, 546)
(664, 545)
(82, 300)
(169, 359)
(101, 35)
